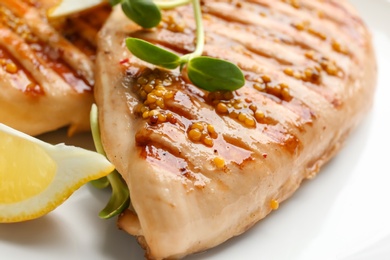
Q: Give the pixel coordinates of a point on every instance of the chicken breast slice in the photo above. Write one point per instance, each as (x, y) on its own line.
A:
(204, 167)
(47, 68)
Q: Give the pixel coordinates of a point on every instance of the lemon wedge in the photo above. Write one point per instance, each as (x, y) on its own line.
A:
(68, 7)
(36, 177)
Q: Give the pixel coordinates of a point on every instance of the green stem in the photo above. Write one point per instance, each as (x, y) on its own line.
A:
(102, 182)
(95, 130)
(199, 33)
(120, 197)
(171, 4)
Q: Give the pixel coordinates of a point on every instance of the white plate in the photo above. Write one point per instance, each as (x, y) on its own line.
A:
(343, 214)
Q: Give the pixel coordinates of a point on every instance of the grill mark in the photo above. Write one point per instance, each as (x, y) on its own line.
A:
(33, 64)
(162, 155)
(21, 79)
(299, 107)
(164, 159)
(235, 36)
(341, 8)
(334, 14)
(295, 106)
(45, 56)
(309, 63)
(82, 29)
(51, 59)
(226, 12)
(274, 130)
(190, 108)
(317, 10)
(202, 115)
(278, 133)
(70, 54)
(300, 110)
(155, 147)
(252, 29)
(180, 43)
(232, 152)
(255, 29)
(250, 46)
(292, 54)
(37, 63)
(256, 69)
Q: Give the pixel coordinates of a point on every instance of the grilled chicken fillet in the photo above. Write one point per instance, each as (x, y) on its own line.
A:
(203, 167)
(47, 73)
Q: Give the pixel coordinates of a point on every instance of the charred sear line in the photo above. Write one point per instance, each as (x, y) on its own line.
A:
(235, 142)
(82, 29)
(276, 91)
(255, 29)
(158, 153)
(157, 108)
(10, 20)
(285, 20)
(254, 7)
(172, 161)
(308, 73)
(314, 71)
(262, 33)
(21, 79)
(244, 110)
(266, 6)
(318, 13)
(156, 90)
(266, 54)
(287, 140)
(335, 44)
(251, 48)
(251, 114)
(305, 113)
(29, 45)
(348, 15)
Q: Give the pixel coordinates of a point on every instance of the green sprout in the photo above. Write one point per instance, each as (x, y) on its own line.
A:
(204, 72)
(120, 197)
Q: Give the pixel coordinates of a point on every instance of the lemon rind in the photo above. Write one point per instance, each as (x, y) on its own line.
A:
(93, 165)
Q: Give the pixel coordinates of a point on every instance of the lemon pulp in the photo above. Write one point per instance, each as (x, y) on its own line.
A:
(25, 169)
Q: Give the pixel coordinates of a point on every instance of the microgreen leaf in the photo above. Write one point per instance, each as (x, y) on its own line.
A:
(143, 12)
(120, 197)
(214, 74)
(152, 54)
(204, 72)
(114, 2)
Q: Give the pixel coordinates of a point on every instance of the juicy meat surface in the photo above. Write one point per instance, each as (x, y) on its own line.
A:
(46, 68)
(204, 167)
